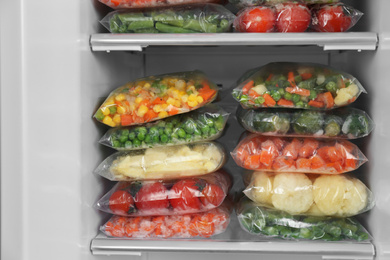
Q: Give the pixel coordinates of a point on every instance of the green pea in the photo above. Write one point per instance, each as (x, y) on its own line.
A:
(174, 136)
(148, 139)
(124, 132)
(112, 110)
(169, 125)
(276, 96)
(259, 100)
(164, 138)
(272, 231)
(296, 98)
(288, 96)
(313, 94)
(141, 136)
(188, 138)
(142, 129)
(181, 133)
(131, 135)
(212, 131)
(136, 143)
(128, 144)
(153, 131)
(300, 104)
(305, 233)
(174, 121)
(123, 138)
(116, 144)
(281, 91)
(331, 87)
(205, 129)
(156, 139)
(197, 132)
(161, 131)
(99, 115)
(168, 131)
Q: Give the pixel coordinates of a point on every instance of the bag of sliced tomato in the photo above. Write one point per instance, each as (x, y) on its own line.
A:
(173, 197)
(156, 97)
(306, 155)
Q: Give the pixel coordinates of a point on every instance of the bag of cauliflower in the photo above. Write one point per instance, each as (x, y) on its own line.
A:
(307, 155)
(268, 222)
(297, 85)
(164, 162)
(312, 195)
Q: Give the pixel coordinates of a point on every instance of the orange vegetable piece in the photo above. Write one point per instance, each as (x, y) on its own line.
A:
(292, 149)
(173, 111)
(279, 143)
(158, 101)
(206, 229)
(207, 94)
(308, 148)
(314, 103)
(291, 79)
(326, 98)
(285, 103)
(269, 101)
(253, 94)
(317, 162)
(306, 75)
(299, 91)
(126, 120)
(303, 163)
(252, 161)
(283, 163)
(330, 154)
(116, 2)
(247, 87)
(150, 115)
(269, 77)
(117, 231)
(350, 164)
(351, 100)
(138, 119)
(266, 158)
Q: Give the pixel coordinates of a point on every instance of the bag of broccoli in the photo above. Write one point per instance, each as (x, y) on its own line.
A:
(346, 123)
(267, 222)
(297, 85)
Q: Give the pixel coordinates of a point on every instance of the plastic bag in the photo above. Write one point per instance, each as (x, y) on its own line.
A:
(184, 19)
(313, 195)
(347, 123)
(156, 97)
(205, 224)
(204, 124)
(336, 17)
(298, 85)
(284, 17)
(306, 155)
(133, 4)
(165, 162)
(245, 3)
(173, 197)
(268, 222)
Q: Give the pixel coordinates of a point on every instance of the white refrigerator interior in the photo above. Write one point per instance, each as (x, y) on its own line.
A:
(56, 65)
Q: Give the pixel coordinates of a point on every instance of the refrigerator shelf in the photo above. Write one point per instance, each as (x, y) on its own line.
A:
(328, 41)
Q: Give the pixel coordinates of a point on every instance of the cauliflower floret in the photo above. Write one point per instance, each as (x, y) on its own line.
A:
(293, 192)
(345, 94)
(260, 89)
(261, 191)
(314, 211)
(338, 195)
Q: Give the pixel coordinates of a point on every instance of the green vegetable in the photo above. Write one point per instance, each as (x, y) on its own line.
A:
(271, 122)
(356, 125)
(333, 126)
(142, 24)
(200, 26)
(308, 122)
(171, 29)
(99, 115)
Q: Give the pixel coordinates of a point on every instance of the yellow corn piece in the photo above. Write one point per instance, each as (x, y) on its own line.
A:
(170, 101)
(157, 108)
(199, 99)
(147, 85)
(120, 110)
(175, 93)
(163, 114)
(138, 100)
(120, 97)
(105, 111)
(191, 97)
(107, 120)
(164, 106)
(180, 84)
(184, 98)
(117, 119)
(177, 103)
(192, 103)
(142, 110)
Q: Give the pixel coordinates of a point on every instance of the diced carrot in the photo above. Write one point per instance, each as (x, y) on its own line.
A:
(269, 77)
(269, 101)
(327, 99)
(308, 148)
(157, 229)
(351, 100)
(247, 87)
(158, 101)
(118, 103)
(118, 231)
(241, 154)
(138, 119)
(206, 229)
(266, 158)
(314, 103)
(292, 149)
(350, 164)
(145, 102)
(116, 2)
(150, 115)
(173, 111)
(207, 94)
(285, 103)
(283, 163)
(253, 94)
(303, 163)
(341, 83)
(306, 75)
(126, 119)
(330, 154)
(279, 143)
(109, 226)
(252, 162)
(291, 79)
(316, 162)
(338, 168)
(300, 91)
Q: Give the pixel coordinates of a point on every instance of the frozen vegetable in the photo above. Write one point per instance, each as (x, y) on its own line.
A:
(336, 17)
(297, 155)
(347, 123)
(184, 19)
(297, 85)
(172, 197)
(282, 17)
(267, 222)
(133, 4)
(245, 3)
(305, 194)
(156, 97)
(205, 224)
(164, 162)
(204, 124)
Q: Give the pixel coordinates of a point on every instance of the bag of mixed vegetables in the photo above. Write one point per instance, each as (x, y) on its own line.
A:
(320, 156)
(267, 222)
(204, 124)
(347, 123)
(202, 225)
(156, 97)
(311, 195)
(172, 197)
(164, 162)
(134, 4)
(297, 85)
(184, 19)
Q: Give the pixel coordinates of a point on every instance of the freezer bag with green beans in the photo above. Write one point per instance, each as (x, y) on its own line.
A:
(297, 85)
(346, 122)
(133, 4)
(263, 221)
(163, 162)
(208, 18)
(310, 195)
(204, 124)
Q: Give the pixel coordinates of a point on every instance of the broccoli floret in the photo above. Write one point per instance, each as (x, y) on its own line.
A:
(308, 122)
(356, 125)
(333, 125)
(271, 122)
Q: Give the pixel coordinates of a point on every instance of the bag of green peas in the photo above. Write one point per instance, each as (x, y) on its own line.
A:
(204, 124)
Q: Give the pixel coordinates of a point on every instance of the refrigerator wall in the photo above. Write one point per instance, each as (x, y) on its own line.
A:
(51, 83)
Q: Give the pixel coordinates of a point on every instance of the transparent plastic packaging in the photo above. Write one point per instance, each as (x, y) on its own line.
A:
(310, 195)
(246, 3)
(205, 224)
(297, 85)
(266, 222)
(337, 17)
(156, 97)
(204, 124)
(165, 162)
(208, 18)
(171, 197)
(307, 155)
(346, 123)
(134, 4)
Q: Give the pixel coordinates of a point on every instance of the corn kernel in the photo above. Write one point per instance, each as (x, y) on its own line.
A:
(138, 100)
(170, 101)
(157, 108)
(163, 114)
(120, 110)
(164, 106)
(147, 85)
(109, 103)
(105, 111)
(142, 110)
(117, 119)
(177, 103)
(180, 84)
(192, 103)
(110, 100)
(120, 97)
(175, 93)
(107, 120)
(199, 99)
(184, 98)
(192, 97)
